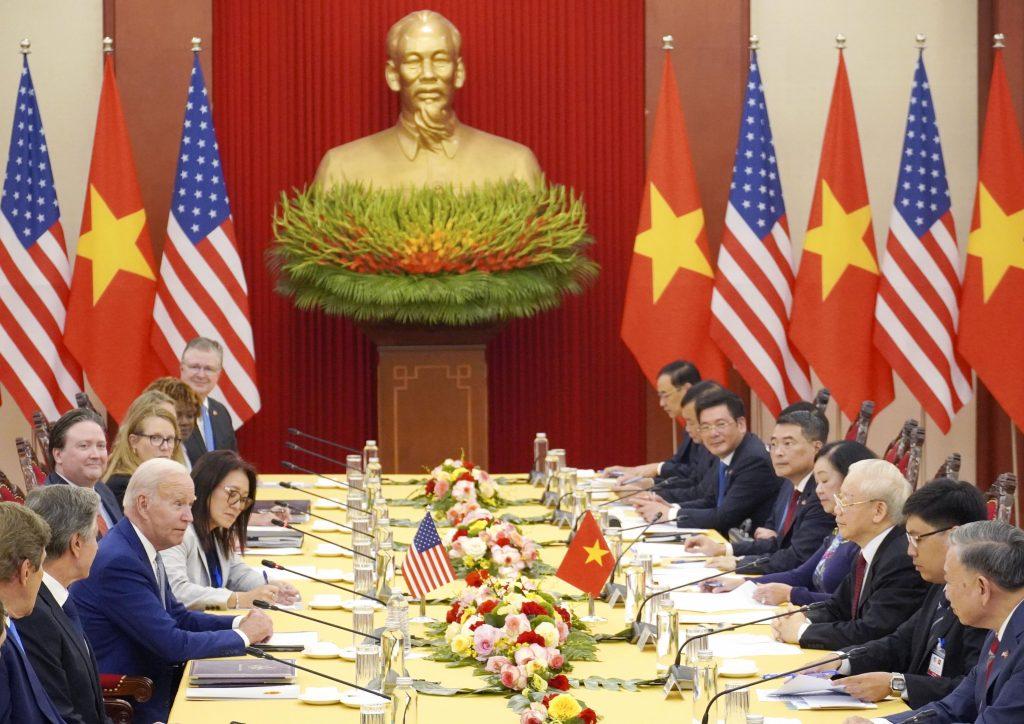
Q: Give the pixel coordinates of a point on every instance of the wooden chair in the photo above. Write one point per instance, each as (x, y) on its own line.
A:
(41, 439)
(31, 471)
(859, 429)
(896, 449)
(120, 691)
(9, 492)
(950, 468)
(910, 465)
(82, 400)
(821, 399)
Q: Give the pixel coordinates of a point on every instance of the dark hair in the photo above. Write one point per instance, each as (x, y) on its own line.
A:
(813, 425)
(681, 372)
(944, 503)
(723, 397)
(59, 429)
(844, 453)
(805, 406)
(207, 474)
(699, 389)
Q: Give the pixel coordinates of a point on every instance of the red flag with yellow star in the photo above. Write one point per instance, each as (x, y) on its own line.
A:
(833, 318)
(667, 311)
(110, 311)
(991, 336)
(588, 562)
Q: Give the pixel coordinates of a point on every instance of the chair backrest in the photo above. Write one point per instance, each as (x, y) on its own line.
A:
(859, 429)
(9, 492)
(31, 472)
(950, 467)
(910, 465)
(41, 440)
(83, 401)
(896, 449)
(821, 399)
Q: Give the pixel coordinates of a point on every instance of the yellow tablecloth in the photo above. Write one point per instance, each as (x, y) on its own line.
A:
(616, 659)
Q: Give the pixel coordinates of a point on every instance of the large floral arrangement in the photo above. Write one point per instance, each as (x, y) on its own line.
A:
(481, 542)
(517, 636)
(554, 708)
(460, 484)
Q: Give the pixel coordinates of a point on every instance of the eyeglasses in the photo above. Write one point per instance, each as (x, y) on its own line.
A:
(842, 504)
(194, 368)
(236, 498)
(719, 427)
(159, 440)
(915, 540)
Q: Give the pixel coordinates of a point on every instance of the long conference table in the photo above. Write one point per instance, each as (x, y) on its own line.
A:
(615, 658)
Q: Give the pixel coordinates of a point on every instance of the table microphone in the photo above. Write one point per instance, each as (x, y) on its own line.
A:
(278, 567)
(267, 606)
(311, 514)
(656, 486)
(801, 609)
(307, 471)
(327, 458)
(299, 433)
(281, 524)
(838, 657)
(259, 654)
(611, 589)
(291, 486)
(639, 628)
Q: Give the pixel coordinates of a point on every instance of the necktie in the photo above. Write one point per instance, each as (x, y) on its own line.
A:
(859, 569)
(722, 468)
(207, 428)
(787, 524)
(161, 579)
(71, 611)
(101, 526)
(991, 659)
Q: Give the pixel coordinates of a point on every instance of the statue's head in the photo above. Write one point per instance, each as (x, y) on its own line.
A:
(425, 65)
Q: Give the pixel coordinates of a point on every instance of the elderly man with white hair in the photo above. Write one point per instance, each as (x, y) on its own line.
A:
(883, 588)
(129, 613)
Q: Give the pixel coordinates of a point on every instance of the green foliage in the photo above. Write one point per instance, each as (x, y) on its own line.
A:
(432, 256)
(579, 646)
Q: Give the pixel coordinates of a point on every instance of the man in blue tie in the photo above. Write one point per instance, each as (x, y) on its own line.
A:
(201, 364)
(23, 700)
(985, 586)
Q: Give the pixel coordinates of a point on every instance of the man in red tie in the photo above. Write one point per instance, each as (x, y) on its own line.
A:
(985, 586)
(798, 523)
(883, 590)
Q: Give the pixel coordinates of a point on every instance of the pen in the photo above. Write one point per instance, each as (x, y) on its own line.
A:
(266, 578)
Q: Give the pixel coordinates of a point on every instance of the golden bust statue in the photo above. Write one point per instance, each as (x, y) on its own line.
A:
(427, 146)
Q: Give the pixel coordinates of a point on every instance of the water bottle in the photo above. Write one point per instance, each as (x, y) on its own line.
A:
(636, 585)
(540, 452)
(353, 465)
(369, 451)
(404, 702)
(379, 512)
(372, 477)
(705, 687)
(668, 636)
(398, 617)
(374, 713)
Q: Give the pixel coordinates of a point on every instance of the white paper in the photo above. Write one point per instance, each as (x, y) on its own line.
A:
(286, 691)
(738, 646)
(828, 701)
(679, 574)
(726, 617)
(739, 599)
(274, 552)
(273, 574)
(671, 528)
(804, 684)
(293, 638)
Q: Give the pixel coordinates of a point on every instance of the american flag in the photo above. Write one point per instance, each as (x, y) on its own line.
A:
(35, 273)
(753, 292)
(202, 290)
(917, 305)
(426, 566)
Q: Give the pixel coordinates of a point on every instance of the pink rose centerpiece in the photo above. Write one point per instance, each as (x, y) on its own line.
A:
(481, 542)
(462, 486)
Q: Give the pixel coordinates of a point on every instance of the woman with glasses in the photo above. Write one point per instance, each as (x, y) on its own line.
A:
(149, 430)
(206, 569)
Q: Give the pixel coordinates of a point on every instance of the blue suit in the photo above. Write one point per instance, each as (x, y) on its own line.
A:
(130, 630)
(1001, 699)
(23, 700)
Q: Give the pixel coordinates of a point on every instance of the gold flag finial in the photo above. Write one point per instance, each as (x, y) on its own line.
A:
(668, 42)
(108, 45)
(755, 42)
(26, 46)
(197, 44)
(998, 40)
(921, 40)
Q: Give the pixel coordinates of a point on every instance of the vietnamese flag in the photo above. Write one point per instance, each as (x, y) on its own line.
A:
(110, 311)
(667, 311)
(588, 563)
(991, 334)
(833, 318)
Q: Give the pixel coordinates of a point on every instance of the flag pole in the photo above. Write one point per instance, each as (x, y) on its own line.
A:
(592, 616)
(423, 617)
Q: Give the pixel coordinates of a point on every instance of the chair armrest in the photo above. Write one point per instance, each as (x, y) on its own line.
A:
(119, 686)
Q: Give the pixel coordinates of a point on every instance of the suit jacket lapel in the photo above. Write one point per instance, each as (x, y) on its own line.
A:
(57, 611)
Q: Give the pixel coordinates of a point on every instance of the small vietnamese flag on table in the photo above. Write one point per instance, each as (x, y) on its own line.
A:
(588, 562)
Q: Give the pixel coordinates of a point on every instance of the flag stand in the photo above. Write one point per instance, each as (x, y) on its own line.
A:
(592, 616)
(423, 617)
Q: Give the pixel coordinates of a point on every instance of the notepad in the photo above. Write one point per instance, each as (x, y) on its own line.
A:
(288, 691)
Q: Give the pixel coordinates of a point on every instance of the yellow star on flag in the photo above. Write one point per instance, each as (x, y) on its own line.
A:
(595, 553)
(840, 240)
(110, 244)
(671, 243)
(998, 241)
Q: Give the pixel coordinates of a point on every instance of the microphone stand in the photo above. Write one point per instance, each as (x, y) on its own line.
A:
(311, 514)
(282, 524)
(614, 591)
(307, 471)
(277, 566)
(299, 433)
(291, 486)
(326, 458)
(253, 651)
(267, 606)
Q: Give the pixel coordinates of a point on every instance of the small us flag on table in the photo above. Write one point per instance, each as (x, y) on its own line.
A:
(426, 566)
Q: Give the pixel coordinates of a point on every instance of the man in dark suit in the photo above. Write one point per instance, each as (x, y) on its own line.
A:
(929, 654)
(23, 700)
(52, 634)
(798, 522)
(883, 590)
(201, 365)
(739, 486)
(130, 616)
(984, 573)
(78, 446)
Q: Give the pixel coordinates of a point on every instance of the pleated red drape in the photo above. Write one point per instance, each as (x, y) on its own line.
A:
(565, 77)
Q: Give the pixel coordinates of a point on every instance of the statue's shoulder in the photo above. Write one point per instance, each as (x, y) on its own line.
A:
(340, 162)
(518, 160)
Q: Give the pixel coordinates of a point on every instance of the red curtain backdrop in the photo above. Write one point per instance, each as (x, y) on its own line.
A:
(566, 78)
